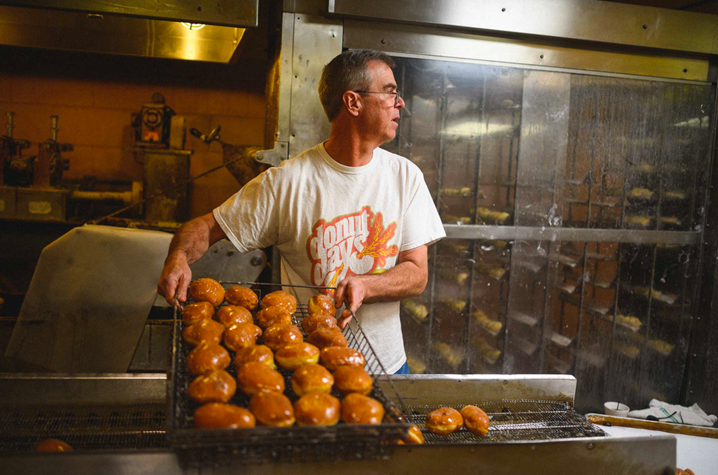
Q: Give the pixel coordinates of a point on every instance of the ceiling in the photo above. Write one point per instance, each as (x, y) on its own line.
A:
(696, 6)
(177, 30)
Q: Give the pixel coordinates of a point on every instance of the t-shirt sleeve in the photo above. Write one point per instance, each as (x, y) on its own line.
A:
(250, 217)
(421, 222)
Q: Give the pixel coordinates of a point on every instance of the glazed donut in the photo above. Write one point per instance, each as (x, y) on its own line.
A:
(223, 416)
(230, 314)
(279, 336)
(414, 436)
(207, 290)
(205, 331)
(206, 358)
(196, 312)
(318, 320)
(360, 409)
(475, 420)
(217, 386)
(324, 337)
(312, 378)
(335, 356)
(321, 304)
(276, 315)
(317, 409)
(292, 357)
(257, 377)
(444, 421)
(281, 298)
(352, 379)
(272, 409)
(241, 335)
(53, 445)
(256, 353)
(241, 296)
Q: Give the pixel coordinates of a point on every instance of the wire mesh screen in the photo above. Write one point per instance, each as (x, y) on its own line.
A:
(514, 421)
(278, 444)
(84, 427)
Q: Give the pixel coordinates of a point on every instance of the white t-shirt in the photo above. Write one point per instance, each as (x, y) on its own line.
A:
(329, 220)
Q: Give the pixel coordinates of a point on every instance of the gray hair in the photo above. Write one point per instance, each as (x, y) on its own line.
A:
(347, 72)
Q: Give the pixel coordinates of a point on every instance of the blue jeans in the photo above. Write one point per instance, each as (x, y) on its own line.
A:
(404, 369)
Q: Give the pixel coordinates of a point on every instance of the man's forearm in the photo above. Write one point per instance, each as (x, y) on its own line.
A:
(404, 280)
(190, 241)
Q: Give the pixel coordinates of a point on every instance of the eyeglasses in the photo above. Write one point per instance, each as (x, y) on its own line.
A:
(396, 94)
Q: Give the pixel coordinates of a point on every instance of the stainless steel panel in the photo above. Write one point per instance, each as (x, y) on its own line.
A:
(702, 359)
(316, 42)
(214, 12)
(455, 389)
(286, 59)
(542, 156)
(635, 455)
(588, 20)
(141, 357)
(309, 7)
(224, 263)
(539, 203)
(57, 389)
(109, 463)
(152, 353)
(416, 40)
(75, 31)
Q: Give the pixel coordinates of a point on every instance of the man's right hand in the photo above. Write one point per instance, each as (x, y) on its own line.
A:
(176, 277)
(189, 243)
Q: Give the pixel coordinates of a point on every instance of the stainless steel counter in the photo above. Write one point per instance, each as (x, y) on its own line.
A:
(595, 455)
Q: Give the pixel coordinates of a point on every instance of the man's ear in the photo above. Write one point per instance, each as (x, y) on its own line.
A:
(352, 102)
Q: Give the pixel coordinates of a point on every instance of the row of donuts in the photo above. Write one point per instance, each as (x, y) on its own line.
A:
(446, 420)
(341, 367)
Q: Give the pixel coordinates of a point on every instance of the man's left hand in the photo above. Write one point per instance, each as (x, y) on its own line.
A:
(352, 291)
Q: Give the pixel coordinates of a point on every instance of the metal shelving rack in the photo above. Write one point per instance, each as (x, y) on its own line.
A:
(582, 240)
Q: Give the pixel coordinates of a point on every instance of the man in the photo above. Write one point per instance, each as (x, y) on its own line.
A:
(344, 213)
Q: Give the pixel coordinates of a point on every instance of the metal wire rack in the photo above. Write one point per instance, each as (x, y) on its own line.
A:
(517, 420)
(279, 444)
(84, 427)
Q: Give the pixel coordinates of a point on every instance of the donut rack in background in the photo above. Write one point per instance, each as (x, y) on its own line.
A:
(259, 445)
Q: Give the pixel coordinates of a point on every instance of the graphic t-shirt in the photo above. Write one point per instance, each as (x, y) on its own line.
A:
(330, 221)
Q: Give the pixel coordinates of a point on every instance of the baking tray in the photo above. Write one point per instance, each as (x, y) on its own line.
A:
(279, 444)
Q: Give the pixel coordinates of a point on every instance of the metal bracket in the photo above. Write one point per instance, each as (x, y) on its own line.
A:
(273, 157)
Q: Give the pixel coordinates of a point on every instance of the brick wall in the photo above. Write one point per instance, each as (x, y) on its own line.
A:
(94, 95)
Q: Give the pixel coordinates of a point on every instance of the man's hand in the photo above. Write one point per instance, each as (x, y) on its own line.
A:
(189, 243)
(176, 277)
(407, 279)
(352, 291)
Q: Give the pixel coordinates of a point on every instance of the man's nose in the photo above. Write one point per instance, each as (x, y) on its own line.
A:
(400, 104)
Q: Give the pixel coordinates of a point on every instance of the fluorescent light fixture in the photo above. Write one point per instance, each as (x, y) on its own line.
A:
(193, 26)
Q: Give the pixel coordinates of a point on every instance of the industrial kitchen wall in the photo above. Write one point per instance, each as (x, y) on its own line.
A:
(568, 146)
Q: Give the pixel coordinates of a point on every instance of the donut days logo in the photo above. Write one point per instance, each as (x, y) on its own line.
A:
(351, 244)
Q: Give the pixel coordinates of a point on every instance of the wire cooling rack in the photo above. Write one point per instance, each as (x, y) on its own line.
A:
(515, 420)
(279, 444)
(85, 428)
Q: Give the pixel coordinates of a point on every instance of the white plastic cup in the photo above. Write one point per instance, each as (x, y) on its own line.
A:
(616, 409)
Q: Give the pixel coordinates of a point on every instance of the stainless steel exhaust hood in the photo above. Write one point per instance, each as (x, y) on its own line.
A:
(178, 31)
